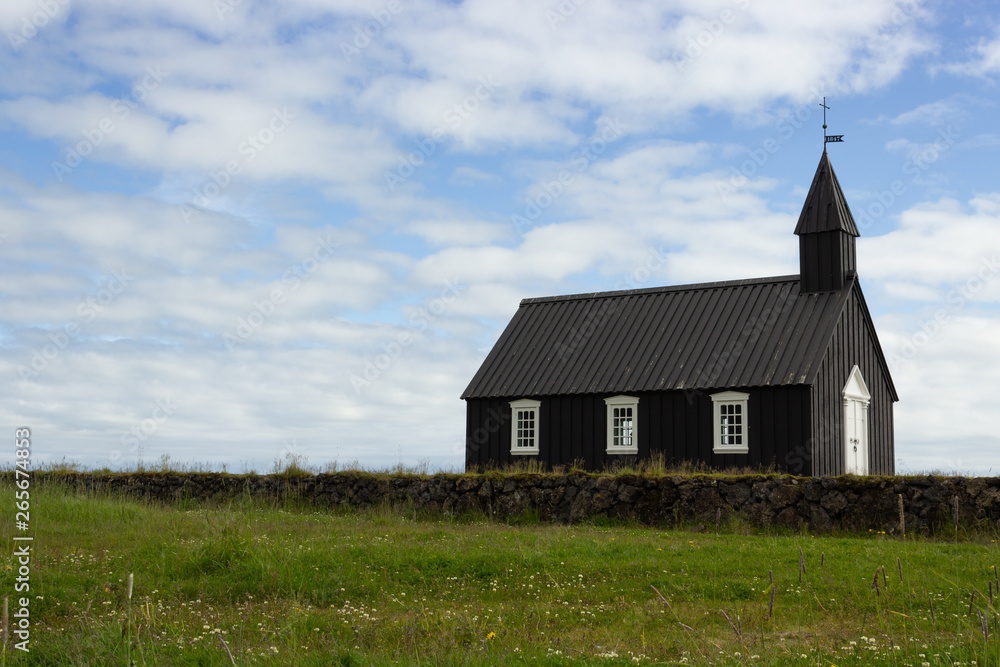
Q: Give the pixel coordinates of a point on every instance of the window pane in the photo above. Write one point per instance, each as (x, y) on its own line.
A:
(525, 429)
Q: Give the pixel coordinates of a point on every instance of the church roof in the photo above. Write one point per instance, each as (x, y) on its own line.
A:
(742, 333)
(826, 207)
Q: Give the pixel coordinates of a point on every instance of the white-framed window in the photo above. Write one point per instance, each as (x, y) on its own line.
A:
(623, 415)
(729, 422)
(524, 426)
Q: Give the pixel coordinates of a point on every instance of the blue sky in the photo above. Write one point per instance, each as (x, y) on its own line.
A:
(234, 231)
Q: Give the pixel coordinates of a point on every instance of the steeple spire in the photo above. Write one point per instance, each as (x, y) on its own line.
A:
(828, 138)
(826, 232)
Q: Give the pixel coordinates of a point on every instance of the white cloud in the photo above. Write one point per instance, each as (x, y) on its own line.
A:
(221, 89)
(942, 245)
(984, 59)
(657, 205)
(467, 176)
(461, 232)
(926, 420)
(948, 110)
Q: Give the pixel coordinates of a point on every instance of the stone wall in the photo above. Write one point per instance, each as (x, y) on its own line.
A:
(816, 504)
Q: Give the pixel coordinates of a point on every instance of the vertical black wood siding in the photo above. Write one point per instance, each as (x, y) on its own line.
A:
(676, 423)
(825, 259)
(854, 343)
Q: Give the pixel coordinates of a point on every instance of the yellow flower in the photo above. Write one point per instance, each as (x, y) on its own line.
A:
(491, 635)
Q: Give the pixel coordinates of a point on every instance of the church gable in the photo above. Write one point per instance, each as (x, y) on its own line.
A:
(853, 343)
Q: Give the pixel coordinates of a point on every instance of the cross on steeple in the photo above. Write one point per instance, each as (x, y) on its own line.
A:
(827, 139)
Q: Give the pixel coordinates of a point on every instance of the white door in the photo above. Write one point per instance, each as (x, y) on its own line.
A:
(856, 433)
(856, 400)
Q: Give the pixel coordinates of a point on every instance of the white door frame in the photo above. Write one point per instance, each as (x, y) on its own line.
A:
(856, 401)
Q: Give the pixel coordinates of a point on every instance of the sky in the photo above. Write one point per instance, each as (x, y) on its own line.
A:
(236, 233)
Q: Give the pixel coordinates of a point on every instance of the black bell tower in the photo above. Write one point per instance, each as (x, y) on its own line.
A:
(826, 232)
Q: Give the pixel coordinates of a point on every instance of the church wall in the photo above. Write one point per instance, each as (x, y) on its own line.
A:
(677, 424)
(854, 342)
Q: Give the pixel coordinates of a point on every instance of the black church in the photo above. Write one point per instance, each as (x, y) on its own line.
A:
(784, 371)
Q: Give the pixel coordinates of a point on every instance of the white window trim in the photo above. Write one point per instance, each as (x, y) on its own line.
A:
(622, 401)
(515, 406)
(856, 387)
(730, 398)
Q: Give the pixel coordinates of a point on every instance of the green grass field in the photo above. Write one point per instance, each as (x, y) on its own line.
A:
(249, 584)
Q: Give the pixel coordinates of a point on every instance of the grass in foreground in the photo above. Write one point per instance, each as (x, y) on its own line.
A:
(246, 584)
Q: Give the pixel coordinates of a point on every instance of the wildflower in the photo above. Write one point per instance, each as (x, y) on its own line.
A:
(491, 635)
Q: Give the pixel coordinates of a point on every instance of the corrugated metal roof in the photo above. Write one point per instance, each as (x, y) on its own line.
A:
(742, 333)
(826, 207)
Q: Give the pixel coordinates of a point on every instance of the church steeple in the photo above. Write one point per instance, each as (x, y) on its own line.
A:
(826, 232)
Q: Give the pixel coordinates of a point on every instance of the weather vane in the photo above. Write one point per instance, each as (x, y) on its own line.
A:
(827, 138)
